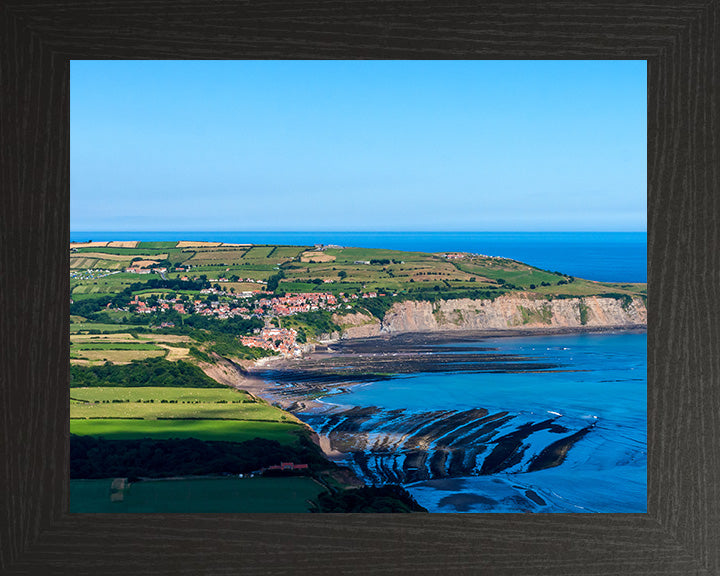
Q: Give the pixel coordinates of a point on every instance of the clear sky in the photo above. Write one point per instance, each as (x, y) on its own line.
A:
(358, 145)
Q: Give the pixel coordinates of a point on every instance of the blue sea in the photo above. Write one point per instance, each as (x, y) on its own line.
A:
(601, 379)
(602, 256)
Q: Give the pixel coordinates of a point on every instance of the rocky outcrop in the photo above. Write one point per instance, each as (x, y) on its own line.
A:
(511, 311)
(403, 446)
(357, 325)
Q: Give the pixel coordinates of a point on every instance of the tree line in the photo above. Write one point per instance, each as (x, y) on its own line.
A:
(97, 457)
(147, 372)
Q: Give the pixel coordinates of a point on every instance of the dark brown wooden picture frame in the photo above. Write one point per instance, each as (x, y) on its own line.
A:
(679, 535)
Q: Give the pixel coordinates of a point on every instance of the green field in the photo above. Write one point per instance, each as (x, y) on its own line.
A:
(147, 292)
(229, 430)
(197, 495)
(157, 245)
(82, 263)
(288, 251)
(204, 413)
(227, 257)
(105, 285)
(78, 327)
(259, 252)
(352, 254)
(206, 403)
(117, 402)
(138, 393)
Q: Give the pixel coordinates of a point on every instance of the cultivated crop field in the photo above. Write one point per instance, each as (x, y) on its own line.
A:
(115, 356)
(122, 347)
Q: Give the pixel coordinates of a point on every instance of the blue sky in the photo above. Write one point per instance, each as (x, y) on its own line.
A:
(358, 145)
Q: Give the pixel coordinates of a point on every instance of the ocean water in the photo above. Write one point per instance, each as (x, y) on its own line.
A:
(602, 379)
(602, 256)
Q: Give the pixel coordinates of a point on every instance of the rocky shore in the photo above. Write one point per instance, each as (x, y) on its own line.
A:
(406, 446)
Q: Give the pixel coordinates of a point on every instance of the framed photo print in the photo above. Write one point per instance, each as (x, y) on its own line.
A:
(359, 289)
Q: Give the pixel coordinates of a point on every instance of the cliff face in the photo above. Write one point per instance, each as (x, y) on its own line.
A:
(506, 312)
(358, 325)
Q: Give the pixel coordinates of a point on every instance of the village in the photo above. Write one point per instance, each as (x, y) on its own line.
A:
(281, 340)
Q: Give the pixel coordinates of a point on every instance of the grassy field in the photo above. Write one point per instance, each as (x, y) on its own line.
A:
(157, 245)
(181, 410)
(210, 429)
(178, 412)
(353, 254)
(84, 262)
(118, 337)
(106, 285)
(197, 495)
(217, 255)
(136, 394)
(77, 327)
(115, 402)
(288, 251)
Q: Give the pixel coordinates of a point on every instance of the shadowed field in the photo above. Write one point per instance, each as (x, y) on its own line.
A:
(198, 495)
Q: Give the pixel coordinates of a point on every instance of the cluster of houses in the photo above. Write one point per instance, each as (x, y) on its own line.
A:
(142, 307)
(294, 303)
(143, 270)
(282, 340)
(278, 339)
(218, 309)
(276, 306)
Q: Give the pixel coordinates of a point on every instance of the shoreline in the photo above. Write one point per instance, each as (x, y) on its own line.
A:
(501, 332)
(255, 385)
(313, 402)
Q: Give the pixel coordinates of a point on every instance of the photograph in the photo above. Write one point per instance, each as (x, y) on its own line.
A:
(368, 286)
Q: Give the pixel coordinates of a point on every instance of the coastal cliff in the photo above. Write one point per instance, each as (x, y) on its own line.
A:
(505, 312)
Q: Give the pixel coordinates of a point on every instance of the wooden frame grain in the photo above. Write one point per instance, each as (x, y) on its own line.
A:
(681, 532)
